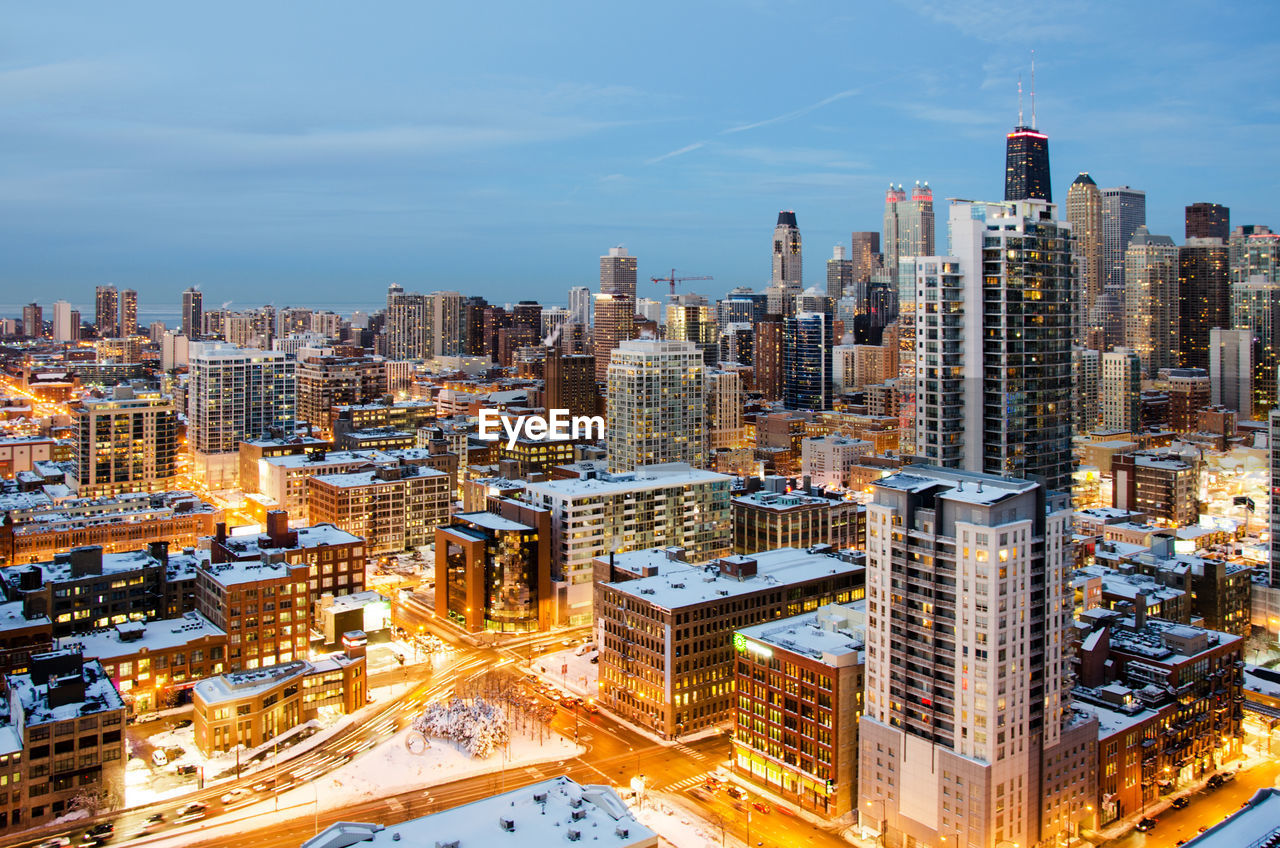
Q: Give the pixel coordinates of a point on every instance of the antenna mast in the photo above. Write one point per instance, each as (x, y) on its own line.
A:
(1033, 89)
(1020, 100)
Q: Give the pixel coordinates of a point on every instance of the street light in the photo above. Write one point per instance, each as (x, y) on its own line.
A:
(880, 822)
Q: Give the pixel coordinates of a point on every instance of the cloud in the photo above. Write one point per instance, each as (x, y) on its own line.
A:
(688, 148)
(1006, 21)
(804, 110)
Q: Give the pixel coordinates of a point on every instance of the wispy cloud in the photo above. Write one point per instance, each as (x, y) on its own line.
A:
(789, 116)
(688, 148)
(1005, 21)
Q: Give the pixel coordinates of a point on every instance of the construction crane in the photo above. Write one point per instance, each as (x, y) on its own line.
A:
(673, 279)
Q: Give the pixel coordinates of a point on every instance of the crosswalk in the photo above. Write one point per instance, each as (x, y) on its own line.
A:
(690, 753)
(686, 783)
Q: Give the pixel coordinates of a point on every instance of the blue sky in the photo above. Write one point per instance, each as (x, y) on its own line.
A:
(300, 152)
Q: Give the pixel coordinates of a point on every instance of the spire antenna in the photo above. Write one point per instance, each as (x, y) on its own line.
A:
(1033, 89)
(1019, 99)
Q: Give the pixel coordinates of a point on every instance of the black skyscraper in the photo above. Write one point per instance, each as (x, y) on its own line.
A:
(1026, 171)
(1208, 220)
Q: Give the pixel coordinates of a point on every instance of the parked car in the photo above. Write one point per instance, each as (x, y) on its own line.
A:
(1146, 825)
(1181, 802)
(1215, 781)
(187, 769)
(181, 723)
(159, 757)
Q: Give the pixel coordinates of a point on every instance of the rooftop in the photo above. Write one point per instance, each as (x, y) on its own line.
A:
(831, 633)
(492, 521)
(1254, 826)
(236, 685)
(642, 479)
(552, 812)
(969, 487)
(136, 637)
(698, 584)
(100, 695)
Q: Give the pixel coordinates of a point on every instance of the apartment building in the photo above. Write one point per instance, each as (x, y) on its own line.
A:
(263, 606)
(38, 527)
(766, 520)
(86, 589)
(1163, 486)
(393, 509)
(62, 732)
(827, 460)
(599, 513)
(335, 559)
(127, 442)
(799, 685)
(667, 660)
(150, 662)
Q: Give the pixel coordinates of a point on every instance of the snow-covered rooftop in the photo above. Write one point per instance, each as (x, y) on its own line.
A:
(834, 634)
(11, 617)
(702, 583)
(1264, 681)
(248, 571)
(969, 487)
(552, 812)
(1258, 823)
(236, 685)
(135, 637)
(640, 480)
(352, 479)
(492, 521)
(100, 695)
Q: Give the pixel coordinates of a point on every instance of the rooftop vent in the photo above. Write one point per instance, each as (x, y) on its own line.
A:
(506, 824)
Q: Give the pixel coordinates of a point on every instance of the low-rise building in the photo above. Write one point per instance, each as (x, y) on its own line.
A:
(1163, 486)
(335, 559)
(152, 662)
(545, 813)
(827, 460)
(1175, 700)
(1257, 823)
(666, 641)
(38, 527)
(86, 589)
(262, 605)
(799, 685)
(493, 569)
(61, 737)
(20, 637)
(770, 519)
(250, 707)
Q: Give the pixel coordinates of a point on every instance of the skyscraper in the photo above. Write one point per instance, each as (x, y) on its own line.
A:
(866, 255)
(908, 225)
(618, 273)
(570, 382)
(1121, 390)
(192, 313)
(1026, 164)
(993, 374)
(66, 323)
(580, 305)
(1208, 220)
(1084, 212)
(127, 442)
(128, 312)
(615, 323)
(447, 328)
(840, 272)
(694, 322)
(32, 321)
(656, 404)
(964, 728)
(806, 361)
(1231, 370)
(107, 311)
(1151, 300)
(768, 355)
(1204, 297)
(787, 254)
(408, 325)
(232, 394)
(1123, 211)
(1086, 368)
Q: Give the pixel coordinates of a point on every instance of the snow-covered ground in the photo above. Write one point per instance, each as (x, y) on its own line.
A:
(389, 769)
(678, 826)
(569, 671)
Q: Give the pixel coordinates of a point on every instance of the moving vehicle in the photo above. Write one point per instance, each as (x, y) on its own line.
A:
(191, 812)
(761, 806)
(55, 842)
(99, 832)
(1181, 802)
(234, 795)
(1146, 825)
